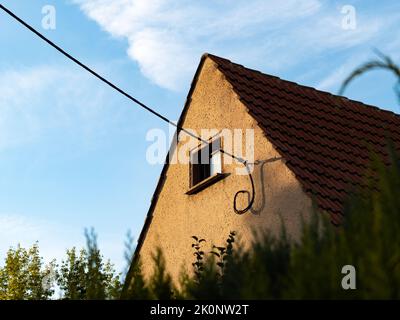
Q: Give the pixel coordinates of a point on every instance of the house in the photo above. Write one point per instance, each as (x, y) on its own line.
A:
(309, 147)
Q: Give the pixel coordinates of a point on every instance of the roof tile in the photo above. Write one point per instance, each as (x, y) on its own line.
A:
(326, 139)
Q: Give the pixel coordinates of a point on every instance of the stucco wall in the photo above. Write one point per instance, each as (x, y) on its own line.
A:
(209, 214)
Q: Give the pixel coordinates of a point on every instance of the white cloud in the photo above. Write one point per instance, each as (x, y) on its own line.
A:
(167, 37)
(37, 100)
(336, 77)
(166, 63)
(326, 30)
(19, 229)
(12, 225)
(17, 124)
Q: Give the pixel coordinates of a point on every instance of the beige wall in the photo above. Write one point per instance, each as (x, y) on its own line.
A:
(209, 214)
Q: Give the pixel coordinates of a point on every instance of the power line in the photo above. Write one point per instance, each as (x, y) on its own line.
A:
(141, 104)
(109, 83)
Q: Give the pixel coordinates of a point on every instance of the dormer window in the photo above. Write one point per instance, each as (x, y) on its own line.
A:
(205, 165)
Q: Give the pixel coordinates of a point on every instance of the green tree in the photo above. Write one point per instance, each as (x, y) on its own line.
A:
(310, 268)
(82, 275)
(86, 275)
(369, 239)
(161, 286)
(24, 275)
(71, 276)
(137, 289)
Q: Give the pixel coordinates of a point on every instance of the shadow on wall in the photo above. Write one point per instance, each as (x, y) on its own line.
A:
(278, 198)
(260, 184)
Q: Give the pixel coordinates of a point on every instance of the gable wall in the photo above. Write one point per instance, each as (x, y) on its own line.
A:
(209, 214)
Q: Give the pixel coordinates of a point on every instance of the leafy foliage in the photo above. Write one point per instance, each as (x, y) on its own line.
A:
(270, 268)
(198, 265)
(24, 275)
(160, 283)
(71, 275)
(311, 268)
(137, 289)
(81, 275)
(382, 63)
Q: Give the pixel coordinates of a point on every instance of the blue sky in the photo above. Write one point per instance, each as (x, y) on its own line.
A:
(73, 151)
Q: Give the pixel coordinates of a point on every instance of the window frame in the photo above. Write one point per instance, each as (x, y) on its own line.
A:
(211, 178)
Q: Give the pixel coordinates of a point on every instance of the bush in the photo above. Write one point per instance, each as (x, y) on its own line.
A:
(80, 276)
(275, 268)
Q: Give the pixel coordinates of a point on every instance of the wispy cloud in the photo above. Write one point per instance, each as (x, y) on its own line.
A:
(336, 77)
(53, 105)
(35, 101)
(17, 92)
(12, 225)
(167, 37)
(19, 229)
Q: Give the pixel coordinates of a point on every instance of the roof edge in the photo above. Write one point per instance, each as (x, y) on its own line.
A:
(161, 180)
(215, 58)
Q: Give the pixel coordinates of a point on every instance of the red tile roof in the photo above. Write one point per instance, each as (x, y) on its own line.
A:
(325, 139)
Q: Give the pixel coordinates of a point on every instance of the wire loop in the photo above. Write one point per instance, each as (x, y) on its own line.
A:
(253, 193)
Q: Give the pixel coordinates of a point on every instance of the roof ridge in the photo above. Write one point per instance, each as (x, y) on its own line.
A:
(215, 58)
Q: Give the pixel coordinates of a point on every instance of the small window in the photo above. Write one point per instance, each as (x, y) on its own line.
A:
(205, 162)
